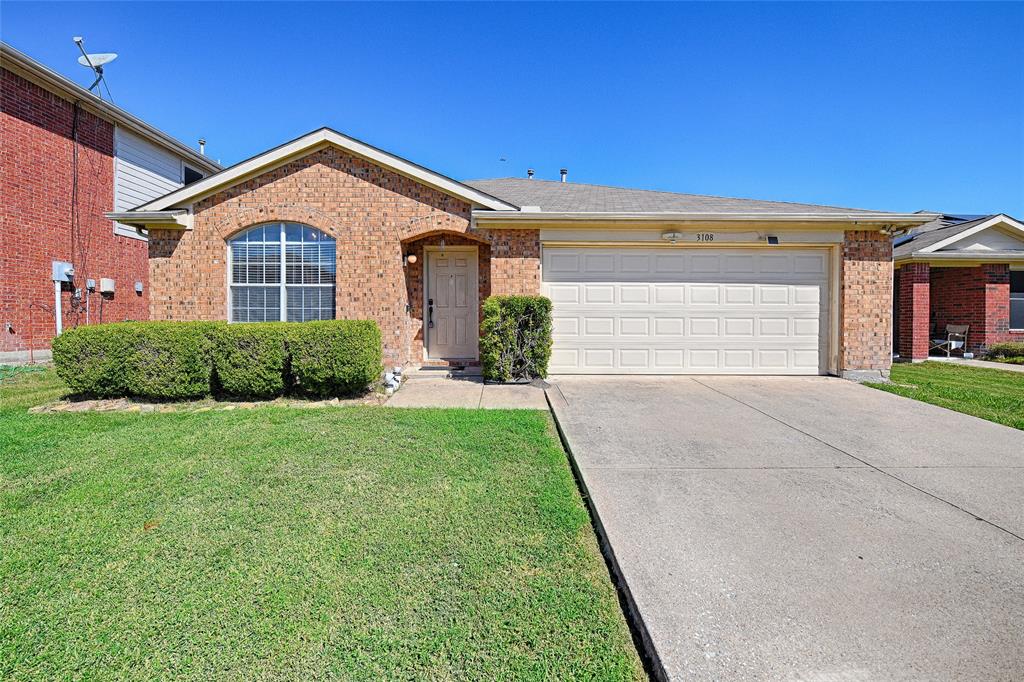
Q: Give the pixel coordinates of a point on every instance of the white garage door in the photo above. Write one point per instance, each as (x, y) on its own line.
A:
(687, 310)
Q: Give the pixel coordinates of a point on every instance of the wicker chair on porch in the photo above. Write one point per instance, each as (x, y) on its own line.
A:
(955, 339)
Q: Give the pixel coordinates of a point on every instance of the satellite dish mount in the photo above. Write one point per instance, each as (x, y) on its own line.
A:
(94, 61)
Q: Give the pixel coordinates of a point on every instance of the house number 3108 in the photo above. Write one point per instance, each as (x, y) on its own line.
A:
(705, 237)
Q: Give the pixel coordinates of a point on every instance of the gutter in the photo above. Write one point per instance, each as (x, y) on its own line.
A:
(25, 66)
(175, 219)
(975, 256)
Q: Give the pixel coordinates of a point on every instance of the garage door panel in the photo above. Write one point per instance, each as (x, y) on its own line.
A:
(669, 294)
(634, 293)
(689, 311)
(598, 326)
(634, 326)
(564, 293)
(598, 293)
(752, 324)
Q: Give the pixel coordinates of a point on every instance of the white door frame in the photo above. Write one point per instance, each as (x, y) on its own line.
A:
(474, 294)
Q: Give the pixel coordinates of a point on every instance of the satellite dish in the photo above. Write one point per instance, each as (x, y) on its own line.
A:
(97, 59)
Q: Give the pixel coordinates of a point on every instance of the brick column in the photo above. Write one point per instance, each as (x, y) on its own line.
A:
(865, 323)
(914, 306)
(996, 327)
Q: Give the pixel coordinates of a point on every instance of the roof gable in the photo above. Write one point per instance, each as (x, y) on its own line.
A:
(992, 233)
(319, 139)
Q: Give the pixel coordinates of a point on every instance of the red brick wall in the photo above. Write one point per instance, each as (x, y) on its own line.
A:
(370, 211)
(979, 297)
(913, 303)
(36, 216)
(866, 302)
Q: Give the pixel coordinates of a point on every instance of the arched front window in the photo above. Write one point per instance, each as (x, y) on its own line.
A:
(258, 257)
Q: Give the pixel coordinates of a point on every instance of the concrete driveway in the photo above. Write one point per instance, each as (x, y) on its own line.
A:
(805, 528)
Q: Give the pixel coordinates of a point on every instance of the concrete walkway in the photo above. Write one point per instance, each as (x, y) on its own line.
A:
(1005, 366)
(805, 528)
(437, 389)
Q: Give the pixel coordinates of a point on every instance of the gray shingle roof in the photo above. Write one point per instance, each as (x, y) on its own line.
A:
(931, 233)
(555, 196)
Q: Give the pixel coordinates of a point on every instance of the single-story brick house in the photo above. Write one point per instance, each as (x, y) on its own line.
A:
(327, 226)
(959, 270)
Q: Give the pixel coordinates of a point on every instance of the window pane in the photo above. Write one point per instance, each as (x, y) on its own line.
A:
(1017, 313)
(255, 263)
(292, 232)
(310, 263)
(255, 304)
(1017, 282)
(310, 303)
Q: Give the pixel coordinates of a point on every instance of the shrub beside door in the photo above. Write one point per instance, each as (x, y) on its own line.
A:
(515, 337)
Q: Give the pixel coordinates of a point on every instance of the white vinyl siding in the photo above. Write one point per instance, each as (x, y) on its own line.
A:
(142, 172)
(688, 310)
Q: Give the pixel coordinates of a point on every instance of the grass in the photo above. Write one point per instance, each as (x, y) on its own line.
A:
(991, 394)
(278, 543)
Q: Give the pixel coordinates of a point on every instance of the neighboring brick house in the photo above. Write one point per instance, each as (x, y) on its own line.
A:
(964, 271)
(326, 226)
(69, 157)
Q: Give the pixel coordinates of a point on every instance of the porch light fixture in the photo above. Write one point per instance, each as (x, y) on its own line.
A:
(672, 237)
(409, 258)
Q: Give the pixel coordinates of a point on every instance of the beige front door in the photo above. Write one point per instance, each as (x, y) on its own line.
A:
(451, 304)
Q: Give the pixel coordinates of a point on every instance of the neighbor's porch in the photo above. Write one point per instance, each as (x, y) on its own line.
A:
(927, 297)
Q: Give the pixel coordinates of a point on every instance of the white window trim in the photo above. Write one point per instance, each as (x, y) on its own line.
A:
(1013, 268)
(283, 284)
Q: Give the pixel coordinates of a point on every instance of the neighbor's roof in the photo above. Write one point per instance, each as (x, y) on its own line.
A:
(573, 197)
(19, 63)
(941, 229)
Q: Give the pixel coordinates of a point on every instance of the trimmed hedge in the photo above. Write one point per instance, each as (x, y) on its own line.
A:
(251, 360)
(181, 360)
(170, 360)
(335, 357)
(1008, 349)
(515, 341)
(94, 360)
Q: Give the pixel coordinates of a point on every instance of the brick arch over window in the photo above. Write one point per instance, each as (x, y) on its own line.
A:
(284, 213)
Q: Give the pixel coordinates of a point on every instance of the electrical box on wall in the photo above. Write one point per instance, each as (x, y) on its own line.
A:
(106, 285)
(62, 272)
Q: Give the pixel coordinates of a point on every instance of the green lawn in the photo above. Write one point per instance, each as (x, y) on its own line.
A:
(991, 394)
(281, 543)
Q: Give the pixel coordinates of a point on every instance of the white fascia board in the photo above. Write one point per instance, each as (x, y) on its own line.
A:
(1001, 219)
(177, 219)
(310, 142)
(25, 66)
(880, 219)
(964, 256)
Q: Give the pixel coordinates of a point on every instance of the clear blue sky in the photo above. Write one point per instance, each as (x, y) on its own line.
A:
(883, 106)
